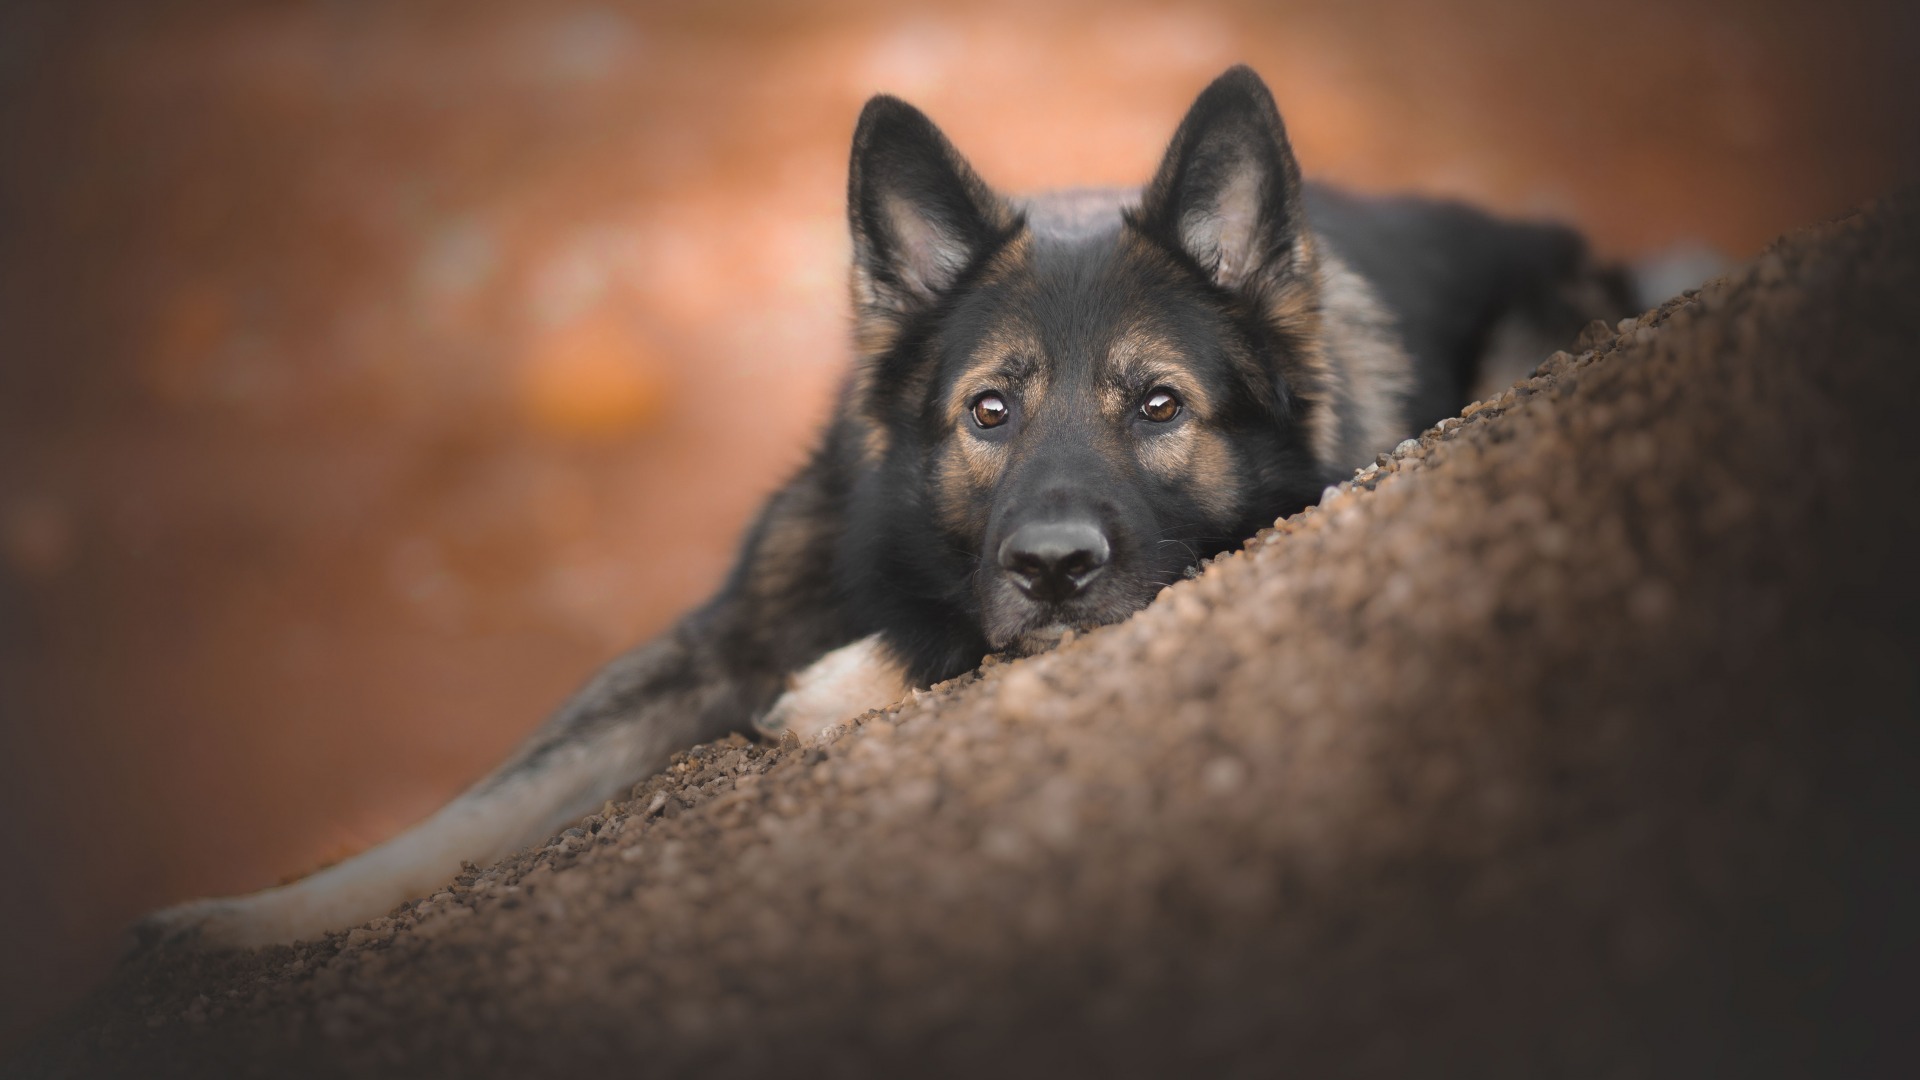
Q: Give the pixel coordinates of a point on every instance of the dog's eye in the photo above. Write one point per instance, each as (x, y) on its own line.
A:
(989, 410)
(1160, 406)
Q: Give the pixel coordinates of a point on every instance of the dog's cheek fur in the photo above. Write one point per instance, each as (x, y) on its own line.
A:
(1200, 462)
(964, 475)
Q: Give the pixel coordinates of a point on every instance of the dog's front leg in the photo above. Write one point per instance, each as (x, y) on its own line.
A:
(839, 686)
(508, 811)
(662, 697)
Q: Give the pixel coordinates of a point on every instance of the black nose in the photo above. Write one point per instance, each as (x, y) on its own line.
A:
(1054, 560)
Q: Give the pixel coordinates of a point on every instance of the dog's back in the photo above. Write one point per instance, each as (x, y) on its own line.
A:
(1476, 300)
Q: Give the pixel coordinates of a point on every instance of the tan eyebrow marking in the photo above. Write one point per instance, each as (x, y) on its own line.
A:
(1008, 359)
(1139, 360)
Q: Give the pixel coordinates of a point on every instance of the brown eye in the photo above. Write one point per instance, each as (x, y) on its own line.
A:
(1160, 406)
(989, 410)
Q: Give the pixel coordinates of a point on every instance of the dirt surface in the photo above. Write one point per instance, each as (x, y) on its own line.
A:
(1576, 739)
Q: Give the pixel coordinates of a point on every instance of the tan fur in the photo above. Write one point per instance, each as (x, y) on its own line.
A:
(1189, 453)
(1009, 360)
(966, 470)
(788, 549)
(1198, 457)
(1375, 371)
(1140, 360)
(873, 443)
(1010, 260)
(1344, 349)
(874, 333)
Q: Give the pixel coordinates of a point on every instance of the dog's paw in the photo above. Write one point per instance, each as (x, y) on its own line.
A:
(805, 715)
(839, 686)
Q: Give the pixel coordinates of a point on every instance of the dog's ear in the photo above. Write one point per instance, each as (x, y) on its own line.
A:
(1228, 191)
(919, 214)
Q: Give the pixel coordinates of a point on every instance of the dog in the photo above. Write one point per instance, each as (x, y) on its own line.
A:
(1058, 406)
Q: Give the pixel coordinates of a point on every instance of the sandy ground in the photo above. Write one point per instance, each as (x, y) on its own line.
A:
(1576, 739)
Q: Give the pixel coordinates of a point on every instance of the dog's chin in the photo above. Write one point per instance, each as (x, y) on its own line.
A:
(1037, 640)
(1017, 626)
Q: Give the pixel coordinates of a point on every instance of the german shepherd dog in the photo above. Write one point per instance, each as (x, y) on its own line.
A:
(1058, 406)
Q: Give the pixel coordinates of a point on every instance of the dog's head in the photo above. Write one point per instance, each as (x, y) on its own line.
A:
(1064, 403)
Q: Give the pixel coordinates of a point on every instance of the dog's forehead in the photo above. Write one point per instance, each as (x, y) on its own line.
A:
(1070, 291)
(1076, 295)
(1076, 214)
(1094, 299)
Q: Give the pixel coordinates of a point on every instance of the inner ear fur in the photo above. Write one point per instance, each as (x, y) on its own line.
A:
(1228, 191)
(920, 216)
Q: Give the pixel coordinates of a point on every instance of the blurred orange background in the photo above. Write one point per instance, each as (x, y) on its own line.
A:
(373, 371)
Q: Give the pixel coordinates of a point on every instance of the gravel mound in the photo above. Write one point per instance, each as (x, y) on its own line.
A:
(1576, 737)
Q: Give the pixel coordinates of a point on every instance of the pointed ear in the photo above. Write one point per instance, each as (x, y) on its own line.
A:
(1228, 191)
(919, 214)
